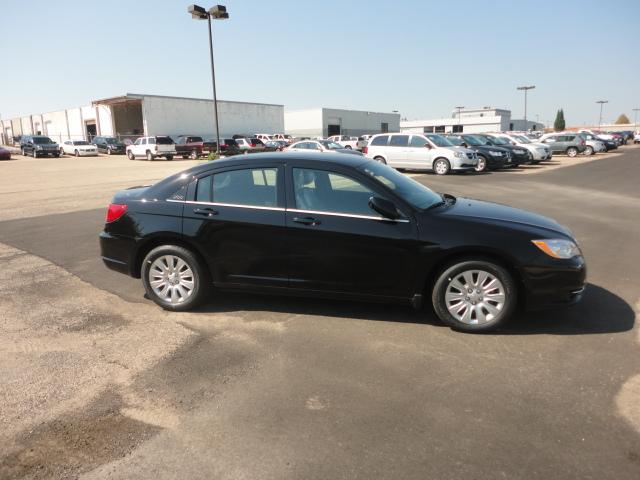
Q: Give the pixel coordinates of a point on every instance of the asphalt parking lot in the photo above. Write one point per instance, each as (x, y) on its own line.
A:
(98, 382)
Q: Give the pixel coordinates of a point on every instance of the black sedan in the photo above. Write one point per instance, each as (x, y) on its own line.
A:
(519, 155)
(489, 157)
(335, 225)
(109, 145)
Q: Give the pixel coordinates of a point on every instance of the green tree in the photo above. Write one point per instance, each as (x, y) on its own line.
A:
(622, 119)
(559, 123)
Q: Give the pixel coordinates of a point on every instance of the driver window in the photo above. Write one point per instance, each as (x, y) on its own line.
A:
(331, 192)
(417, 141)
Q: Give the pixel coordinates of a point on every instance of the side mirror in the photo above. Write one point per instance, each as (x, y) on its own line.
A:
(464, 144)
(384, 207)
(426, 145)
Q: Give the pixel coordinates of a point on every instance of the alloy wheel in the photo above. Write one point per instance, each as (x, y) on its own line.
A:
(171, 279)
(482, 164)
(475, 297)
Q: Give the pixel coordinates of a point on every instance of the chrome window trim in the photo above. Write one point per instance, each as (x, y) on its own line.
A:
(293, 210)
(348, 215)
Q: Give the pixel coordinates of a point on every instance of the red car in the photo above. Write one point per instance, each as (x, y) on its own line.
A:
(5, 154)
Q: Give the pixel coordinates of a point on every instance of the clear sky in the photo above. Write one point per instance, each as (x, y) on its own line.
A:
(420, 57)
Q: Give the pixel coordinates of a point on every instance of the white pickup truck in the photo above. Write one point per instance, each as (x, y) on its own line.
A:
(152, 147)
(346, 141)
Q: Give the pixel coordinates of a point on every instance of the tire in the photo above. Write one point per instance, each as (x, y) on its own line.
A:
(441, 166)
(572, 152)
(57, 155)
(194, 155)
(149, 156)
(185, 157)
(76, 153)
(130, 155)
(169, 157)
(473, 313)
(482, 164)
(160, 281)
(380, 159)
(589, 151)
(348, 147)
(35, 153)
(24, 154)
(109, 152)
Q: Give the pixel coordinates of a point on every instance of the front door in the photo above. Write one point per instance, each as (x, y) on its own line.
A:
(237, 216)
(338, 244)
(419, 153)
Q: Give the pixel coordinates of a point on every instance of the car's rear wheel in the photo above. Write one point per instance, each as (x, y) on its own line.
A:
(474, 295)
(109, 151)
(441, 166)
(24, 154)
(380, 159)
(173, 278)
(76, 153)
(149, 156)
(482, 164)
(348, 147)
(131, 155)
(572, 151)
(589, 150)
(169, 157)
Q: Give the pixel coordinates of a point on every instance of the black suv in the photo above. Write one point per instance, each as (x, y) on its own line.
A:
(109, 145)
(38, 146)
(490, 157)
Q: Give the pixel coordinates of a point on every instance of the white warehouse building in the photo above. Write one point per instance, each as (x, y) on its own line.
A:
(325, 122)
(471, 121)
(133, 115)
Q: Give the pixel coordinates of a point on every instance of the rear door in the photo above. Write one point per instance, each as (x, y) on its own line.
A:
(237, 217)
(398, 150)
(337, 243)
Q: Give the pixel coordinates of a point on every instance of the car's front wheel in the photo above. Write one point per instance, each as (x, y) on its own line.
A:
(194, 155)
(173, 278)
(130, 155)
(572, 151)
(474, 295)
(441, 166)
(589, 151)
(482, 164)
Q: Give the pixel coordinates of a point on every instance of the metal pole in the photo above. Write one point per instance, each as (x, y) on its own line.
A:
(600, 117)
(213, 81)
(635, 119)
(525, 110)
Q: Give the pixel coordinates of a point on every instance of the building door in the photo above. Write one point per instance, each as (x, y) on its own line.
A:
(91, 129)
(333, 130)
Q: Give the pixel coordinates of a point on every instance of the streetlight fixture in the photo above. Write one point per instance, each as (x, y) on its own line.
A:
(217, 12)
(601, 102)
(526, 88)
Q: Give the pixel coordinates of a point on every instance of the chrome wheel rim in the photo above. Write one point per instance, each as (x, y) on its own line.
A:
(171, 279)
(441, 167)
(481, 165)
(572, 152)
(475, 297)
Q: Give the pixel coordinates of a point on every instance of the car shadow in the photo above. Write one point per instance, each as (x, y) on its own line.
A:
(600, 311)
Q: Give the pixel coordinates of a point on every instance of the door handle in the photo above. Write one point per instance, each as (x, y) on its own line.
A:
(307, 220)
(208, 212)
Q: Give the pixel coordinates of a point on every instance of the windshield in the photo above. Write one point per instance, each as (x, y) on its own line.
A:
(80, 142)
(111, 141)
(457, 141)
(42, 140)
(499, 141)
(405, 187)
(331, 145)
(473, 140)
(522, 139)
(440, 141)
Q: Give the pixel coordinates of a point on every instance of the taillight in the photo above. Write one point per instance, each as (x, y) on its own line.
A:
(114, 212)
(365, 150)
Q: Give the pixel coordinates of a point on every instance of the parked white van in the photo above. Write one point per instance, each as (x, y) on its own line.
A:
(420, 152)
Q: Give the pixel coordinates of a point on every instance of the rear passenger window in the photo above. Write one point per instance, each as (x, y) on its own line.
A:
(380, 141)
(251, 187)
(203, 189)
(399, 140)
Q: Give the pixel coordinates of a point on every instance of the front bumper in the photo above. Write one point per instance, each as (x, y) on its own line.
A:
(554, 283)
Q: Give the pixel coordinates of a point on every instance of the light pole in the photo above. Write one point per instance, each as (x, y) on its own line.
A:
(459, 114)
(217, 12)
(635, 119)
(601, 102)
(526, 88)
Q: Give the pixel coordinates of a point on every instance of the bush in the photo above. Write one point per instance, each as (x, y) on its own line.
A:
(213, 156)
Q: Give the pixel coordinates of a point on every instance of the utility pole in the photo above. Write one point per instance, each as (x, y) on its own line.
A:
(526, 89)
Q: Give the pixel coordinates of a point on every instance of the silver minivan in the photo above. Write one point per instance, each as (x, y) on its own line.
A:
(420, 152)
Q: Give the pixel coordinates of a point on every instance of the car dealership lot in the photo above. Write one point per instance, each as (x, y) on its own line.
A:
(100, 381)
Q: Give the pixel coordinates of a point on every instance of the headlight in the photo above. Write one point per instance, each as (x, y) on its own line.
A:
(519, 152)
(495, 153)
(459, 154)
(558, 248)
(38, 147)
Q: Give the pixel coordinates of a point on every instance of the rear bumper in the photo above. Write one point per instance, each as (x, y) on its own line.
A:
(116, 252)
(555, 284)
